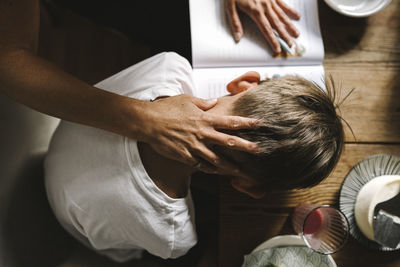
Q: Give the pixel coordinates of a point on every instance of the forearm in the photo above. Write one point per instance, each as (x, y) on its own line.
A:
(38, 84)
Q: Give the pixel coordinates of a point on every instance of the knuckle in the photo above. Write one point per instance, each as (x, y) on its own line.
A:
(204, 117)
(195, 128)
(231, 142)
(285, 20)
(197, 150)
(265, 3)
(235, 124)
(270, 33)
(265, 25)
(279, 27)
(259, 14)
(236, 24)
(201, 134)
(254, 6)
(256, 149)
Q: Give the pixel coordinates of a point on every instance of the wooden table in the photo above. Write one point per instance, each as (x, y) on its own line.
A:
(360, 53)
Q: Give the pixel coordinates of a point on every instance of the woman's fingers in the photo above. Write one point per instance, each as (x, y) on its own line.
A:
(276, 23)
(269, 15)
(199, 156)
(292, 13)
(179, 129)
(265, 27)
(233, 142)
(213, 136)
(234, 20)
(210, 162)
(232, 122)
(285, 20)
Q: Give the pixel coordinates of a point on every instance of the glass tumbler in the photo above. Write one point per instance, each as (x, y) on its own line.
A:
(324, 229)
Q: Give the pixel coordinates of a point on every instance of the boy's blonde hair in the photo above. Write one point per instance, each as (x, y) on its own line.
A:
(301, 135)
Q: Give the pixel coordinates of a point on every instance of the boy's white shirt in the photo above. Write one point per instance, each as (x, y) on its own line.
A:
(98, 187)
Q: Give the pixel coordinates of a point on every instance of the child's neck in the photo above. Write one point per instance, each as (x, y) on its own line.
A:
(172, 177)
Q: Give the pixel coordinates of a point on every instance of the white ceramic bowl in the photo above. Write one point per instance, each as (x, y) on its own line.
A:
(377, 190)
(290, 240)
(357, 8)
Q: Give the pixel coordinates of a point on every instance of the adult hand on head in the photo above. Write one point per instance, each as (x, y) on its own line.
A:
(269, 15)
(178, 128)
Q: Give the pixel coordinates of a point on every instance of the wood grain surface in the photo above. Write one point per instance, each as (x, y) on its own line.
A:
(363, 54)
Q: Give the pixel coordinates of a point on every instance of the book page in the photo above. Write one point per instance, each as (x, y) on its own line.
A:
(211, 82)
(214, 46)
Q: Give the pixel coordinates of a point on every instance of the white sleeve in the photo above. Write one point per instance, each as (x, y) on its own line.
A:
(165, 74)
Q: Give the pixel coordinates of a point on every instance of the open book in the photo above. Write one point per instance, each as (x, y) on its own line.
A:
(217, 59)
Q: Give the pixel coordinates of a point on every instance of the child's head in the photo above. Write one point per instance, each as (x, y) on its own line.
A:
(300, 137)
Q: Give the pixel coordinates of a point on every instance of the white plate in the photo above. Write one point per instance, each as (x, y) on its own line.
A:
(363, 172)
(284, 241)
(280, 241)
(357, 8)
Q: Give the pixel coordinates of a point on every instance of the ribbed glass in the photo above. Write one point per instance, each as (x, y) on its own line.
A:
(324, 229)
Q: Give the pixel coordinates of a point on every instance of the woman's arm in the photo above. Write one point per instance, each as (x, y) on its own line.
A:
(32, 81)
(177, 127)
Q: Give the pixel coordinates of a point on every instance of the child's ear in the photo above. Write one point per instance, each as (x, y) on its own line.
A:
(244, 82)
(249, 187)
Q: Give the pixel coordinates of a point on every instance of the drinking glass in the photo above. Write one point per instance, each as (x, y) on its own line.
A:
(324, 229)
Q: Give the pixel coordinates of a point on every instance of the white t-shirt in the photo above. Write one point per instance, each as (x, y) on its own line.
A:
(98, 187)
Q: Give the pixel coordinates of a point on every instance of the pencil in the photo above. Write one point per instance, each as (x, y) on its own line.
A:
(284, 45)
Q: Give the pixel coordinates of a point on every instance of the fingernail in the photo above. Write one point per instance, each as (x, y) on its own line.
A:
(237, 36)
(278, 49)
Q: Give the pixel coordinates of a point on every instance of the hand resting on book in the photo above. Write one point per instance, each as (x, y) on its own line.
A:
(269, 15)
